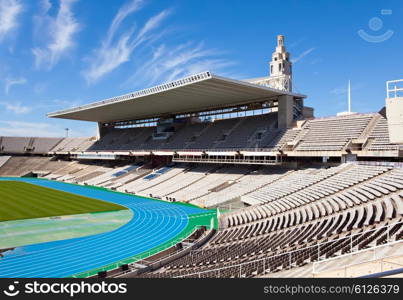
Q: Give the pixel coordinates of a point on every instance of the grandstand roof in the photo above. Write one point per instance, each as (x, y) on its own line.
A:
(203, 91)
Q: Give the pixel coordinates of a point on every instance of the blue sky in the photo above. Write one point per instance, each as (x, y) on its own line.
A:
(56, 54)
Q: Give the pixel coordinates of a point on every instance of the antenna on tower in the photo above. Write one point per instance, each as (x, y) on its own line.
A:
(348, 112)
(349, 96)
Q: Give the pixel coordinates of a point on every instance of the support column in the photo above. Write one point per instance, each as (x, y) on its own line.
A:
(101, 131)
(285, 111)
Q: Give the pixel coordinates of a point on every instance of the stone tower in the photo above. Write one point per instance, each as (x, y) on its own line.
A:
(281, 67)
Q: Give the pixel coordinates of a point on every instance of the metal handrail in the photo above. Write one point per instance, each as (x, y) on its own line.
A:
(393, 88)
(289, 253)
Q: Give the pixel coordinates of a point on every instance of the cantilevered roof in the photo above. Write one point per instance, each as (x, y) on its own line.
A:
(199, 92)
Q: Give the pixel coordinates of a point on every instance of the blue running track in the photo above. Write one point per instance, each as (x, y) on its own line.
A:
(153, 223)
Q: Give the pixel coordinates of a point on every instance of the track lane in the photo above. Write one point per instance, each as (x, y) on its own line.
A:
(153, 224)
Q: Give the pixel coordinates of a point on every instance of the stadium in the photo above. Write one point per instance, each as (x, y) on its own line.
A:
(208, 177)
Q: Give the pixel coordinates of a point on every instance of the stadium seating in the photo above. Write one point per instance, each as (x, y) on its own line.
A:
(185, 135)
(315, 185)
(123, 139)
(276, 219)
(332, 134)
(62, 171)
(44, 145)
(105, 177)
(14, 144)
(212, 180)
(296, 217)
(4, 159)
(260, 131)
(73, 144)
(134, 172)
(242, 186)
(361, 212)
(379, 137)
(150, 179)
(214, 133)
(247, 130)
(21, 165)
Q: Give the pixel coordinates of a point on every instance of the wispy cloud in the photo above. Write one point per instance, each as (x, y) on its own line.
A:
(19, 108)
(125, 11)
(16, 107)
(297, 42)
(117, 48)
(9, 11)
(167, 64)
(18, 128)
(64, 104)
(43, 129)
(302, 55)
(59, 30)
(9, 82)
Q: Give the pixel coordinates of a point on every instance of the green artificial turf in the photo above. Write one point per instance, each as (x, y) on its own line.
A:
(20, 200)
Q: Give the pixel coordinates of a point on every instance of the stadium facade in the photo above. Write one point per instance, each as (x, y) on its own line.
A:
(300, 192)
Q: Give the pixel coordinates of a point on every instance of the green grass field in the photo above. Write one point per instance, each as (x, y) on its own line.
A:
(20, 200)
